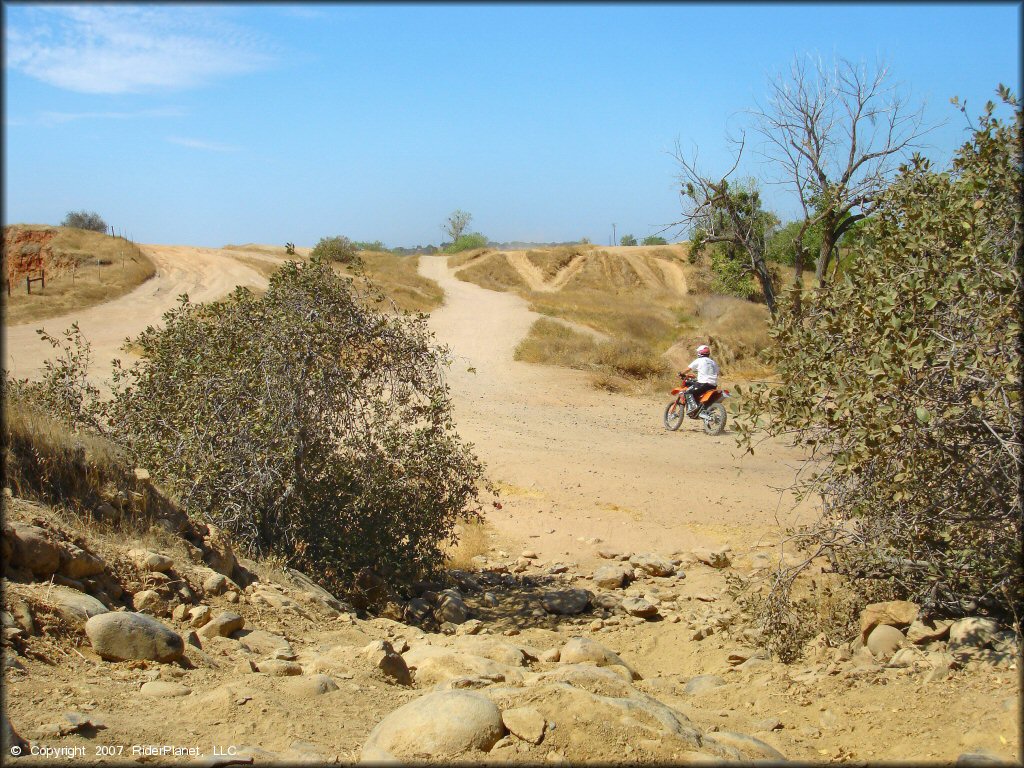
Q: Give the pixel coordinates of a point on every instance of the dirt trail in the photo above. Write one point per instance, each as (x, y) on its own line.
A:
(584, 463)
(204, 274)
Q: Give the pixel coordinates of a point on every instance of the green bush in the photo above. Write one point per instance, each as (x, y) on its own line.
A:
(903, 379)
(730, 276)
(376, 245)
(339, 249)
(306, 424)
(654, 240)
(85, 220)
(467, 242)
(781, 245)
(627, 240)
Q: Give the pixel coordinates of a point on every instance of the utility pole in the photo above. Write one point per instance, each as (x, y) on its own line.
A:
(614, 241)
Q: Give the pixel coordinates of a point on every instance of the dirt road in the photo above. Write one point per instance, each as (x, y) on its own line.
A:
(584, 463)
(203, 273)
(571, 462)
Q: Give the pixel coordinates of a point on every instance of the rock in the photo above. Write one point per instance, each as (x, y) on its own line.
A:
(568, 602)
(551, 655)
(125, 636)
(263, 643)
(73, 606)
(652, 564)
(609, 552)
(491, 600)
(279, 668)
(768, 724)
(748, 746)
(218, 554)
(612, 576)
(199, 615)
(884, 641)
(979, 758)
(146, 560)
(77, 563)
(215, 584)
(440, 725)
(894, 613)
(149, 601)
(161, 689)
(583, 650)
(452, 609)
(311, 685)
(638, 606)
(33, 549)
(490, 648)
(179, 612)
(525, 722)
(383, 656)
(702, 684)
(905, 658)
(716, 558)
(529, 554)
(921, 632)
(471, 627)
(223, 625)
(972, 632)
(606, 601)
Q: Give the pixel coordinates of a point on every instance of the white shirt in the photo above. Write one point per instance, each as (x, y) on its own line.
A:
(707, 370)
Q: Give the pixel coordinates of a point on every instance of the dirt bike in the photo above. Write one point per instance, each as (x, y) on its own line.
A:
(710, 409)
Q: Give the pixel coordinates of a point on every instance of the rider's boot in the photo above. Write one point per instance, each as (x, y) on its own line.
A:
(691, 404)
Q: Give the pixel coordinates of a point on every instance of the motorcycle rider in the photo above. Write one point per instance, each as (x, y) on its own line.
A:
(707, 377)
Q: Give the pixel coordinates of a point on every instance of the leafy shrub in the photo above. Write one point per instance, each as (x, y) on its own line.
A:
(467, 242)
(309, 426)
(338, 248)
(654, 240)
(85, 220)
(903, 378)
(730, 275)
(376, 245)
(627, 240)
(782, 244)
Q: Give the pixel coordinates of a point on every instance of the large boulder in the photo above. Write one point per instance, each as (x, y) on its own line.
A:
(73, 606)
(148, 561)
(972, 632)
(77, 563)
(441, 725)
(894, 613)
(126, 636)
(612, 576)
(583, 650)
(35, 550)
(655, 565)
(566, 602)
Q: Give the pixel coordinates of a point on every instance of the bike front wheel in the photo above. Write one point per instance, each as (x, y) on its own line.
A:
(674, 413)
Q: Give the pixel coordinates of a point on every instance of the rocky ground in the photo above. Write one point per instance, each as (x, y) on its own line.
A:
(156, 644)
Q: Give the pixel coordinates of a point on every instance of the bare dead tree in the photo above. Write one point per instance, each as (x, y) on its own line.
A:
(456, 223)
(717, 212)
(837, 133)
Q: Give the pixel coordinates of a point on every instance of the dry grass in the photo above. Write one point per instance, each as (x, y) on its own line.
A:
(473, 541)
(89, 268)
(400, 280)
(635, 306)
(397, 276)
(457, 260)
(491, 271)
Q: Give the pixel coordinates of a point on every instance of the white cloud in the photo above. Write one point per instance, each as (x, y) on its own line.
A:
(209, 146)
(125, 49)
(58, 118)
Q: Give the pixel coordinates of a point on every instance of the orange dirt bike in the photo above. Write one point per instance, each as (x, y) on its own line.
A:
(710, 409)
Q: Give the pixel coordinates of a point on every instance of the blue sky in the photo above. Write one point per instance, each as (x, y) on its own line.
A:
(215, 124)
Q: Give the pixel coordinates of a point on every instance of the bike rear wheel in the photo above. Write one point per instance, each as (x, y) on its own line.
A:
(714, 422)
(674, 413)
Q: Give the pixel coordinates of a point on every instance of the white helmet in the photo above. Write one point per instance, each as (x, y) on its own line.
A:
(703, 350)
